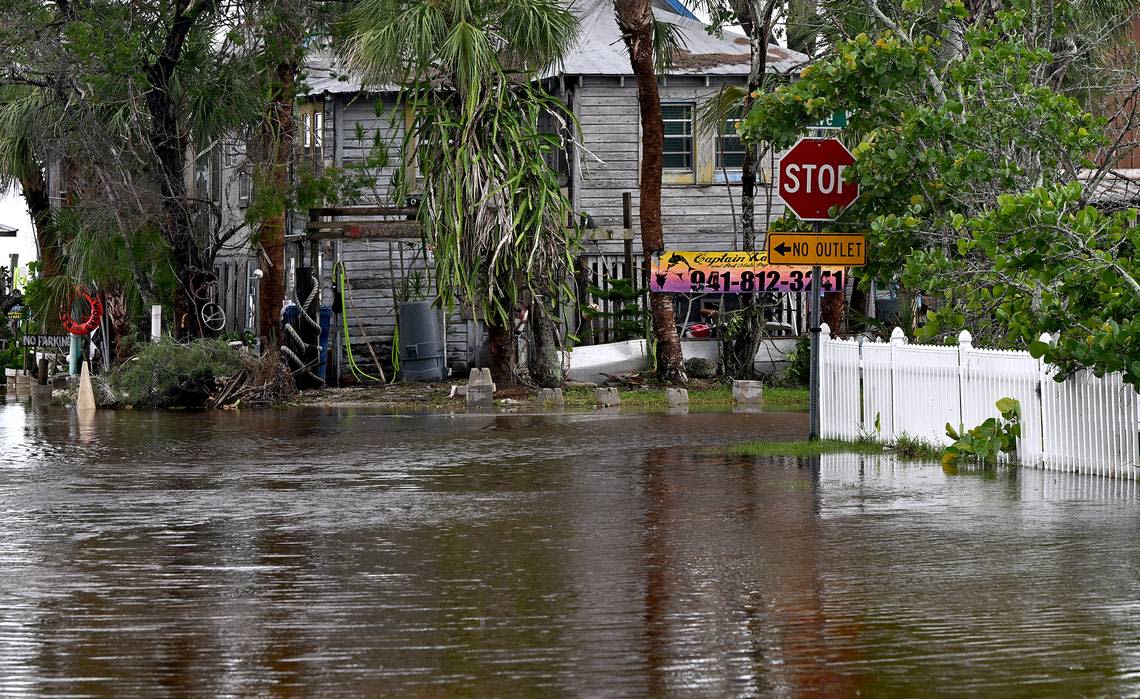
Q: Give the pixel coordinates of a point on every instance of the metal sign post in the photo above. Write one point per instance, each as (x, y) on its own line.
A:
(813, 386)
(813, 186)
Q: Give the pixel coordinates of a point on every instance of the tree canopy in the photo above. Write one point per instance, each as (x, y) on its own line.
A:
(983, 167)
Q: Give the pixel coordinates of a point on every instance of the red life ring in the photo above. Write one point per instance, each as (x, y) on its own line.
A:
(93, 319)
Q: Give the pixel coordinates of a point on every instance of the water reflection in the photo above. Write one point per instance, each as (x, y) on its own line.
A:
(284, 552)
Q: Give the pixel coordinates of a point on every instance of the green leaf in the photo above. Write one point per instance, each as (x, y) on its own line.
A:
(1007, 405)
(1037, 349)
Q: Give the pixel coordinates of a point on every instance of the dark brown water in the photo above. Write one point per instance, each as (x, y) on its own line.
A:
(348, 553)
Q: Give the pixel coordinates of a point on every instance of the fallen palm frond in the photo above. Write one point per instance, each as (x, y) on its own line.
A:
(202, 373)
(263, 380)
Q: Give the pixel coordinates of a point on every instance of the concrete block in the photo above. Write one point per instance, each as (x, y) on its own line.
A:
(748, 392)
(676, 397)
(41, 395)
(481, 377)
(607, 397)
(551, 397)
(480, 396)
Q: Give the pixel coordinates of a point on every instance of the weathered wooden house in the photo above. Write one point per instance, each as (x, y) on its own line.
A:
(342, 123)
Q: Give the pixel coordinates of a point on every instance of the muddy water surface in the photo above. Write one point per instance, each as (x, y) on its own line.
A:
(344, 552)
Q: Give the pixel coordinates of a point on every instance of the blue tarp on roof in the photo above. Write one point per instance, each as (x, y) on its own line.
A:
(678, 8)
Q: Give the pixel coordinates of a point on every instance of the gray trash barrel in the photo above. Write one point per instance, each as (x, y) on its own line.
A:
(421, 346)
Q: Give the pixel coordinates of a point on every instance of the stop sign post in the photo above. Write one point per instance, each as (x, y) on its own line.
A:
(812, 183)
(812, 178)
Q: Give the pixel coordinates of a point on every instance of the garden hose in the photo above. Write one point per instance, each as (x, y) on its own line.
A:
(341, 277)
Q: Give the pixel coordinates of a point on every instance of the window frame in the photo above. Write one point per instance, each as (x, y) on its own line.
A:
(311, 125)
(728, 130)
(690, 135)
(244, 189)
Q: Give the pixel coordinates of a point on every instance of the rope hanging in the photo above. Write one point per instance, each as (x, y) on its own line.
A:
(294, 347)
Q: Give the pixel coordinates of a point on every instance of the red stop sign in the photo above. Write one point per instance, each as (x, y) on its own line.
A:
(812, 178)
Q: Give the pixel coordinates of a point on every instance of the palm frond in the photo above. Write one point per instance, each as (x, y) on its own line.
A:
(726, 103)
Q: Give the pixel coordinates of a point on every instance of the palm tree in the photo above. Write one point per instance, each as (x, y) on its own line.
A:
(645, 41)
(21, 110)
(492, 211)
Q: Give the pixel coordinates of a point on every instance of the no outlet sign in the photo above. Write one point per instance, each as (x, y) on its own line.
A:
(812, 179)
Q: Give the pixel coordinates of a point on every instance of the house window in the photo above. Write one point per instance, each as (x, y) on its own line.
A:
(729, 149)
(312, 130)
(677, 153)
(244, 186)
(216, 176)
(202, 178)
(229, 153)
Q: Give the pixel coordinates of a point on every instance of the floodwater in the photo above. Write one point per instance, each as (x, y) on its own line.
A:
(349, 553)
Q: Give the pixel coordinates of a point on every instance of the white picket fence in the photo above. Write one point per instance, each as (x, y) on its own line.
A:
(885, 390)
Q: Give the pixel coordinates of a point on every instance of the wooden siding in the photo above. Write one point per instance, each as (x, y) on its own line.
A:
(1130, 158)
(376, 268)
(694, 216)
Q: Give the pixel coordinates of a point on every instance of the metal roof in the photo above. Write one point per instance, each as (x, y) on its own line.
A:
(7, 231)
(1118, 188)
(324, 73)
(601, 51)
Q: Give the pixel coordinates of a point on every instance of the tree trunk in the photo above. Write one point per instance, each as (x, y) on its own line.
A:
(831, 312)
(169, 141)
(185, 258)
(739, 351)
(504, 353)
(635, 17)
(277, 147)
(39, 206)
(283, 31)
(545, 359)
(858, 304)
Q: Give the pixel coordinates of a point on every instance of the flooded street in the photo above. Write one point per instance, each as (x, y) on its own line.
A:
(345, 552)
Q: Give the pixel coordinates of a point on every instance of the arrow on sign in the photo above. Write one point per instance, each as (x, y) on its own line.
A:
(842, 249)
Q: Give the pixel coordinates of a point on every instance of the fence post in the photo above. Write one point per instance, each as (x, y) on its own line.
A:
(825, 418)
(861, 388)
(1045, 405)
(965, 342)
(155, 323)
(898, 338)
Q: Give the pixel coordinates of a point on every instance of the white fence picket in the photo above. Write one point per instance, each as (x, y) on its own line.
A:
(878, 406)
(1084, 424)
(839, 387)
(990, 375)
(926, 392)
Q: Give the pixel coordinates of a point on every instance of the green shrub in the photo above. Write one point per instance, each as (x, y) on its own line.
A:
(169, 373)
(700, 368)
(986, 441)
(798, 372)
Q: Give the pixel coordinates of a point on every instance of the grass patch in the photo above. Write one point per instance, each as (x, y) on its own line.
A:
(709, 397)
(914, 448)
(804, 448)
(906, 447)
(786, 396)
